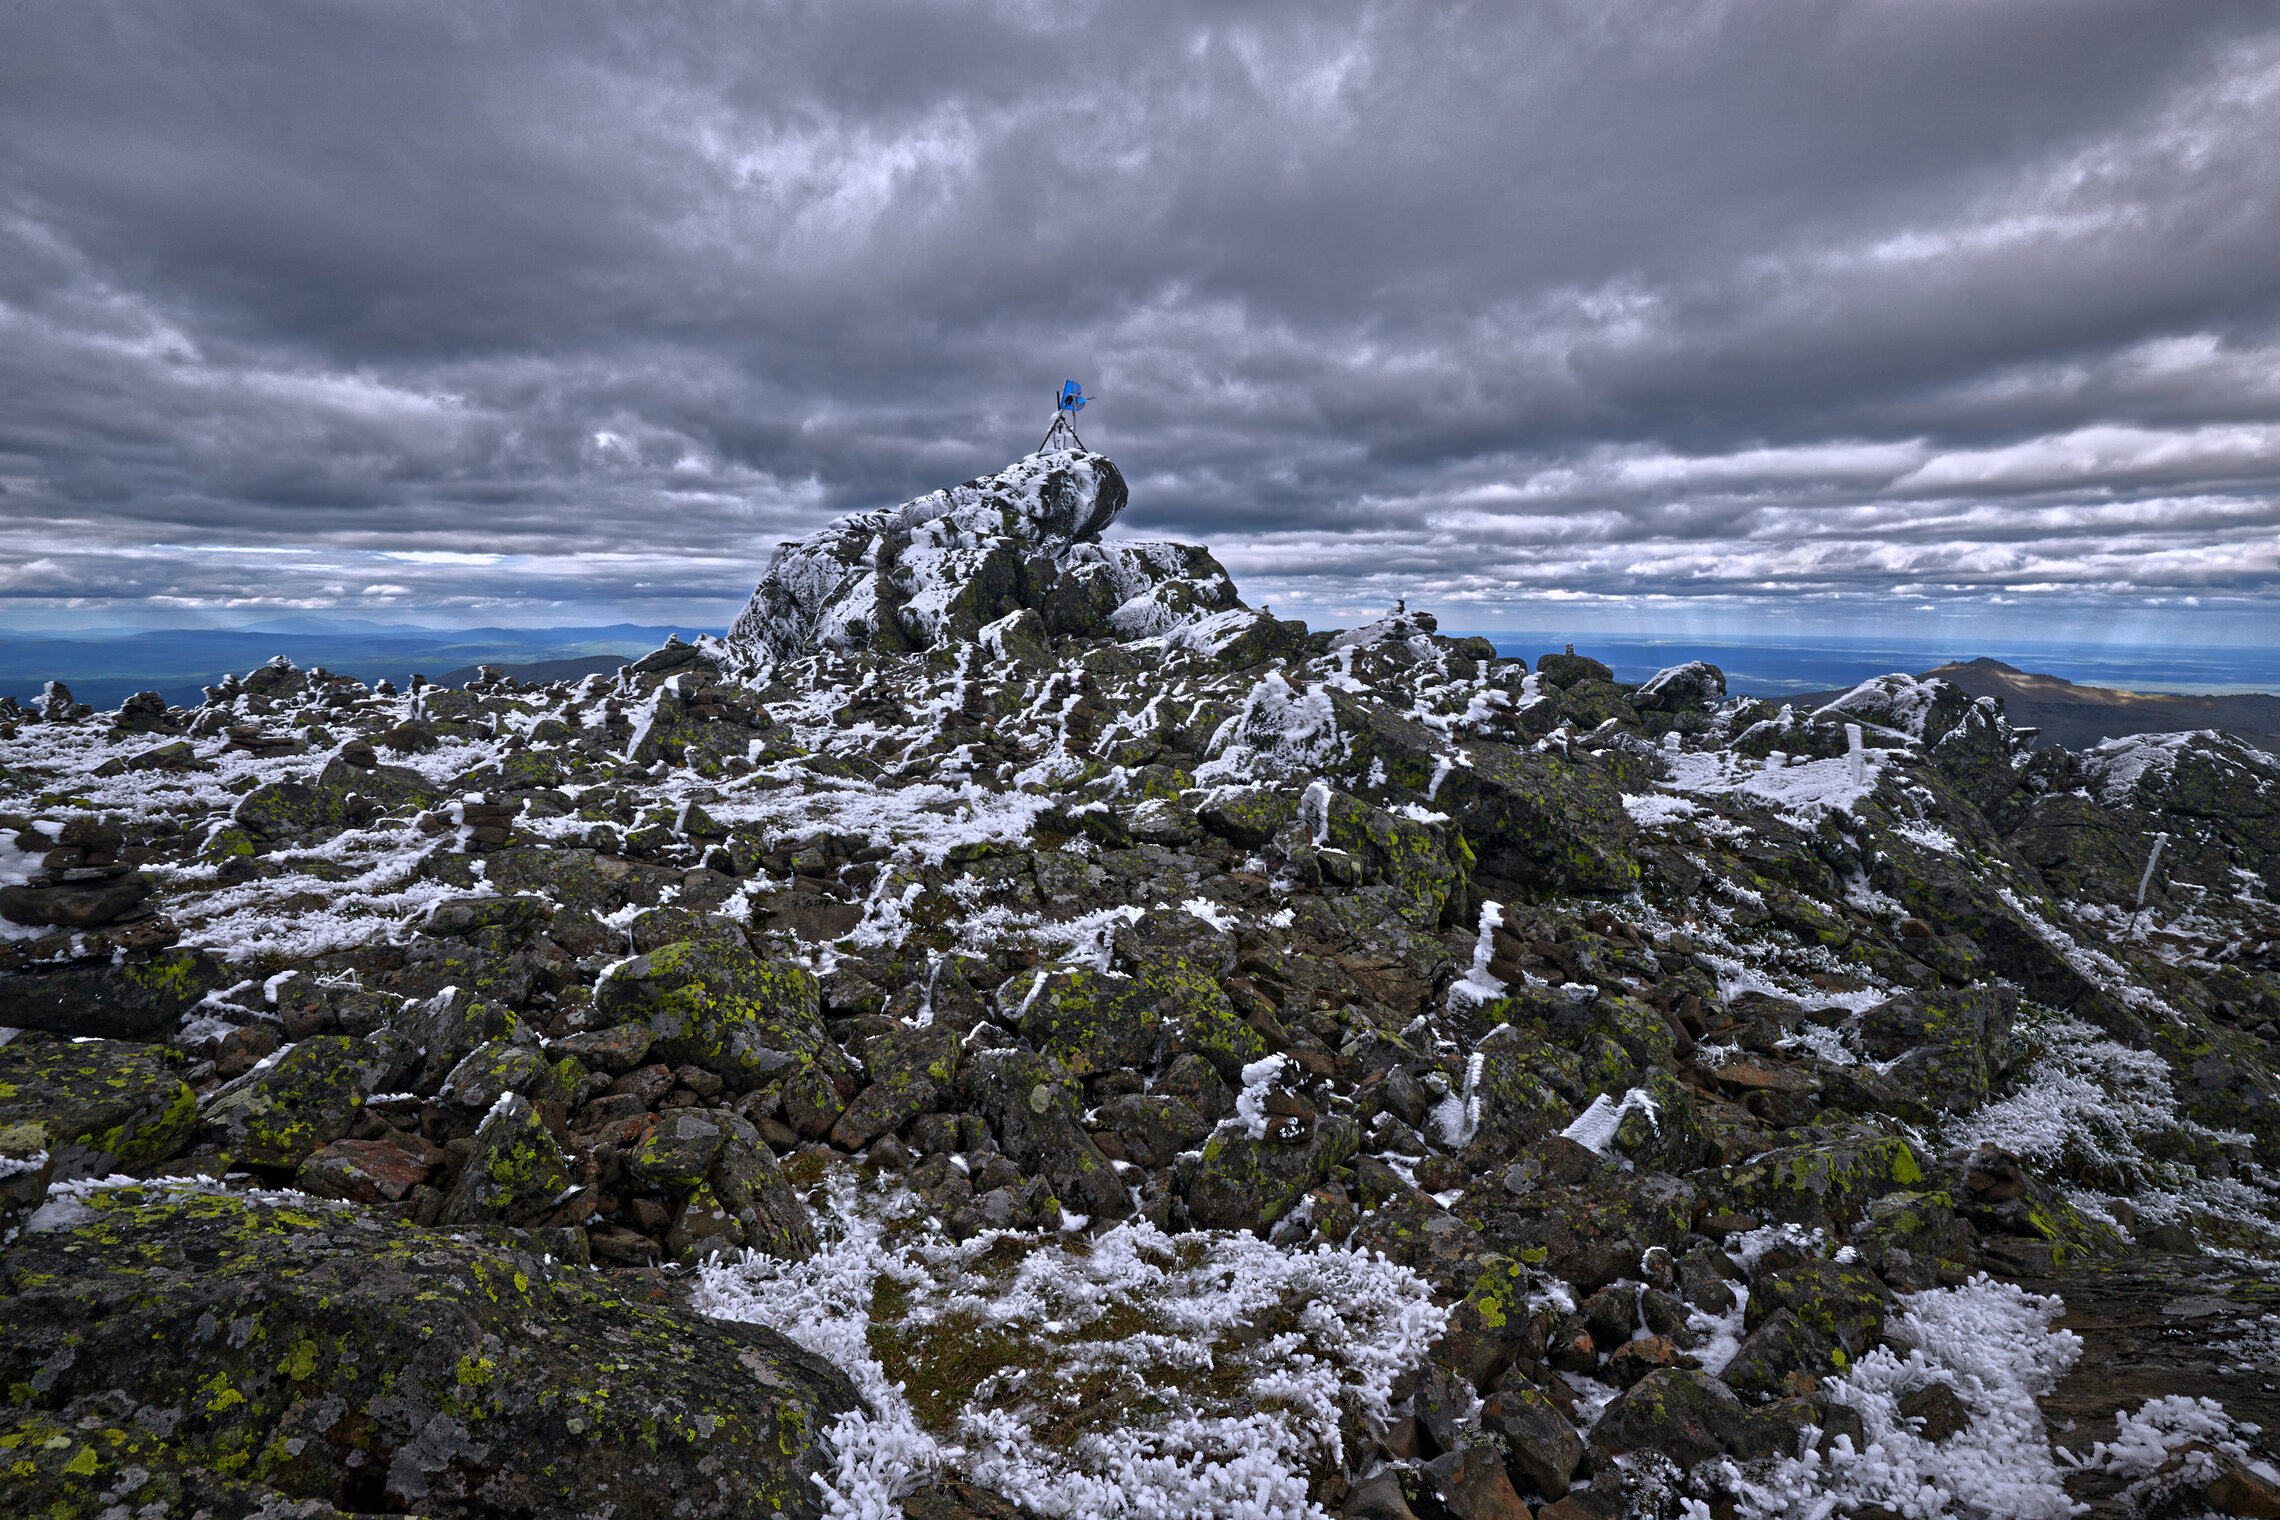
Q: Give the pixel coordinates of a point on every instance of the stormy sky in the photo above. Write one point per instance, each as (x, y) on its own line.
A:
(1878, 317)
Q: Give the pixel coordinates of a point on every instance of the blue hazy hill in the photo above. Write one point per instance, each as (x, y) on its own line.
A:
(1787, 666)
(177, 662)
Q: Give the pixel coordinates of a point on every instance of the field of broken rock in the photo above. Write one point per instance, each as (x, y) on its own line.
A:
(1011, 1030)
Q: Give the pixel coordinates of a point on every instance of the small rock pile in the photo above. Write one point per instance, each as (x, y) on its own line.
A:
(85, 881)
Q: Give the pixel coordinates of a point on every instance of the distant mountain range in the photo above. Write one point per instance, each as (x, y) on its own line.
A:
(2080, 716)
(540, 671)
(177, 662)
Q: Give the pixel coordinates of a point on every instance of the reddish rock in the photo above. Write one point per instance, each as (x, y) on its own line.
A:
(1633, 1360)
(1474, 1487)
(1741, 1076)
(362, 1171)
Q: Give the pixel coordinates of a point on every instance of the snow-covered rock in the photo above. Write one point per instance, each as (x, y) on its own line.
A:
(940, 567)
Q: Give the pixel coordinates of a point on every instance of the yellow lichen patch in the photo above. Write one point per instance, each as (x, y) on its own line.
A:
(220, 1394)
(300, 1364)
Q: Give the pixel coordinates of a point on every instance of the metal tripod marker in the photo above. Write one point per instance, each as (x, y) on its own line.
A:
(1067, 402)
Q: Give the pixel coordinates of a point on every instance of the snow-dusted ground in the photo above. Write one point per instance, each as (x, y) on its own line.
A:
(1133, 1336)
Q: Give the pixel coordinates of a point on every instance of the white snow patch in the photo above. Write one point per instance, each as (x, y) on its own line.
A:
(1992, 1341)
(1804, 792)
(1651, 808)
(1249, 1103)
(1595, 1128)
(1278, 732)
(1478, 985)
(1210, 912)
(2115, 767)
(1457, 1115)
(1930, 836)
(1364, 1323)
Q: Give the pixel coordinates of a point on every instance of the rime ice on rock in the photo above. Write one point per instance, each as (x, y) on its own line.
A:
(942, 566)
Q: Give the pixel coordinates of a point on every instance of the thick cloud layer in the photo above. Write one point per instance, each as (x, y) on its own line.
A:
(1592, 314)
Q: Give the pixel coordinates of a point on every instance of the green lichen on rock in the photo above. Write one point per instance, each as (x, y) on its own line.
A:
(2222, 1080)
(911, 1068)
(1249, 816)
(141, 999)
(1527, 1088)
(1239, 1183)
(276, 1115)
(1665, 1133)
(710, 1157)
(450, 1026)
(104, 1106)
(1088, 1019)
(1408, 856)
(1492, 1322)
(1688, 1416)
(1827, 1185)
(1947, 1048)
(1534, 818)
(282, 809)
(1176, 963)
(751, 1186)
(1035, 1106)
(1782, 1347)
(1542, 820)
(1843, 1301)
(516, 1174)
(315, 1352)
(1910, 1237)
(710, 1002)
(498, 1067)
(2009, 1204)
(27, 1166)
(227, 844)
(677, 1155)
(1576, 1215)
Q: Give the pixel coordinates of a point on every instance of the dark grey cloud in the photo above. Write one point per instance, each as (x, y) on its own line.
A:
(1569, 312)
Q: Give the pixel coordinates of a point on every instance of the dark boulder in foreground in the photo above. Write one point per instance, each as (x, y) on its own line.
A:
(220, 1354)
(140, 999)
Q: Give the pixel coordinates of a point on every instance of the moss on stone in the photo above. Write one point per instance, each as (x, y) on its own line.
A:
(516, 1174)
(276, 1117)
(1827, 1185)
(1087, 1019)
(710, 1002)
(320, 1353)
(106, 1105)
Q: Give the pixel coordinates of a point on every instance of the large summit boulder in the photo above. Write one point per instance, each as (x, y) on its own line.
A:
(943, 566)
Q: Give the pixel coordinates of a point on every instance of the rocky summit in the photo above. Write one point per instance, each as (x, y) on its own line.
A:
(1012, 1030)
